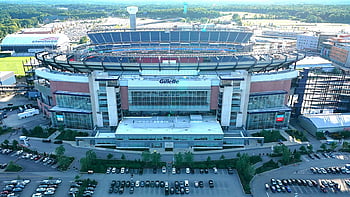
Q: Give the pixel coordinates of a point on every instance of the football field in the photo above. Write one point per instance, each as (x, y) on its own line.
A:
(13, 64)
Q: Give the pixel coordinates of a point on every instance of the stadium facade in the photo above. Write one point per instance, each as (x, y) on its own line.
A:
(166, 88)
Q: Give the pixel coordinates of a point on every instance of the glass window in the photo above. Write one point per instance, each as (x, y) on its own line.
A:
(73, 101)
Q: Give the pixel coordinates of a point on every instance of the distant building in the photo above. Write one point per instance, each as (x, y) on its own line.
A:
(32, 43)
(337, 50)
(325, 123)
(37, 31)
(285, 34)
(307, 42)
(321, 91)
(7, 78)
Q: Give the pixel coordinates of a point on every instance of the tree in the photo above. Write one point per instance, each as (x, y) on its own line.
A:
(155, 158)
(109, 156)
(146, 156)
(59, 151)
(222, 157)
(302, 149)
(6, 142)
(345, 145)
(64, 162)
(188, 158)
(286, 155)
(208, 160)
(297, 155)
(12, 167)
(245, 170)
(88, 161)
(323, 147)
(14, 144)
(123, 157)
(333, 145)
(278, 150)
(310, 148)
(178, 159)
(91, 155)
(83, 40)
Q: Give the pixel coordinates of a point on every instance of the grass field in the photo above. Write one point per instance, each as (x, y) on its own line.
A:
(13, 64)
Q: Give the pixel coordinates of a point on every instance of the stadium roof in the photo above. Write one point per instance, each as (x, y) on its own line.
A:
(167, 50)
(329, 120)
(174, 125)
(34, 40)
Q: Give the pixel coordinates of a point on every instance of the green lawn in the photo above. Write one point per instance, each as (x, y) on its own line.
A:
(13, 64)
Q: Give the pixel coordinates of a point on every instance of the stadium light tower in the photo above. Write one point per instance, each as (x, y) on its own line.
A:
(132, 10)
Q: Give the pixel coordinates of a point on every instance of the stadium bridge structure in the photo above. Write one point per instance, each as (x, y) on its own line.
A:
(166, 89)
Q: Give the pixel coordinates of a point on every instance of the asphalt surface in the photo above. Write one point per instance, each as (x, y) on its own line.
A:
(302, 171)
(225, 184)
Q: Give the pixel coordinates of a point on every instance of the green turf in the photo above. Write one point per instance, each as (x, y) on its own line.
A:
(13, 64)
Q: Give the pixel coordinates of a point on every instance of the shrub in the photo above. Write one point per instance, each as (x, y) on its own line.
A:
(70, 135)
(298, 135)
(267, 167)
(255, 159)
(40, 132)
(12, 167)
(270, 136)
(320, 136)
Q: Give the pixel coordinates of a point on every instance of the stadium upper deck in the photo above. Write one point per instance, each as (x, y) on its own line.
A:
(154, 49)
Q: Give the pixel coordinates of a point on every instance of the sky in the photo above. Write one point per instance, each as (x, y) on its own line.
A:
(328, 2)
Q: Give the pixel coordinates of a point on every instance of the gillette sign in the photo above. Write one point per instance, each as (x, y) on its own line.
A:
(169, 81)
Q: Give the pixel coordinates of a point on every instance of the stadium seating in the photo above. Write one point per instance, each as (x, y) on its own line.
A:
(169, 36)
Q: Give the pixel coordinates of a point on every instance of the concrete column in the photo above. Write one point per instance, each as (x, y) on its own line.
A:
(226, 106)
(112, 106)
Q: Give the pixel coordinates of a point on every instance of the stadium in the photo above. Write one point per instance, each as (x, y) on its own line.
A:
(166, 89)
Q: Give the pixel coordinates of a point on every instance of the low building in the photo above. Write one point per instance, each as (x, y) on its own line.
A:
(7, 78)
(307, 42)
(325, 123)
(32, 43)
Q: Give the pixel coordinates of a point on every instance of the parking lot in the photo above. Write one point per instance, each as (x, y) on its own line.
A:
(224, 183)
(309, 186)
(327, 178)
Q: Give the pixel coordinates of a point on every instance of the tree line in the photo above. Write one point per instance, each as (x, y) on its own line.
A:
(305, 13)
(14, 17)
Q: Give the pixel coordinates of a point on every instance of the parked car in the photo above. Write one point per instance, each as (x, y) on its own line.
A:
(163, 169)
(58, 142)
(211, 183)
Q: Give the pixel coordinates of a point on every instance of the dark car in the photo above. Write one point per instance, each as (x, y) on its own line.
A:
(46, 140)
(201, 184)
(121, 190)
(154, 170)
(172, 190)
(230, 170)
(211, 183)
(131, 191)
(58, 142)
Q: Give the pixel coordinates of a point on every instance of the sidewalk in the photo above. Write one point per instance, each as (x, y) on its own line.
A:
(54, 135)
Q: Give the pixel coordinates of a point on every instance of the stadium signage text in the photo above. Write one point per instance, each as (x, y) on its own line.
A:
(169, 81)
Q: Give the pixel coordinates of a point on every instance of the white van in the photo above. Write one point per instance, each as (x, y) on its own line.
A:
(187, 184)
